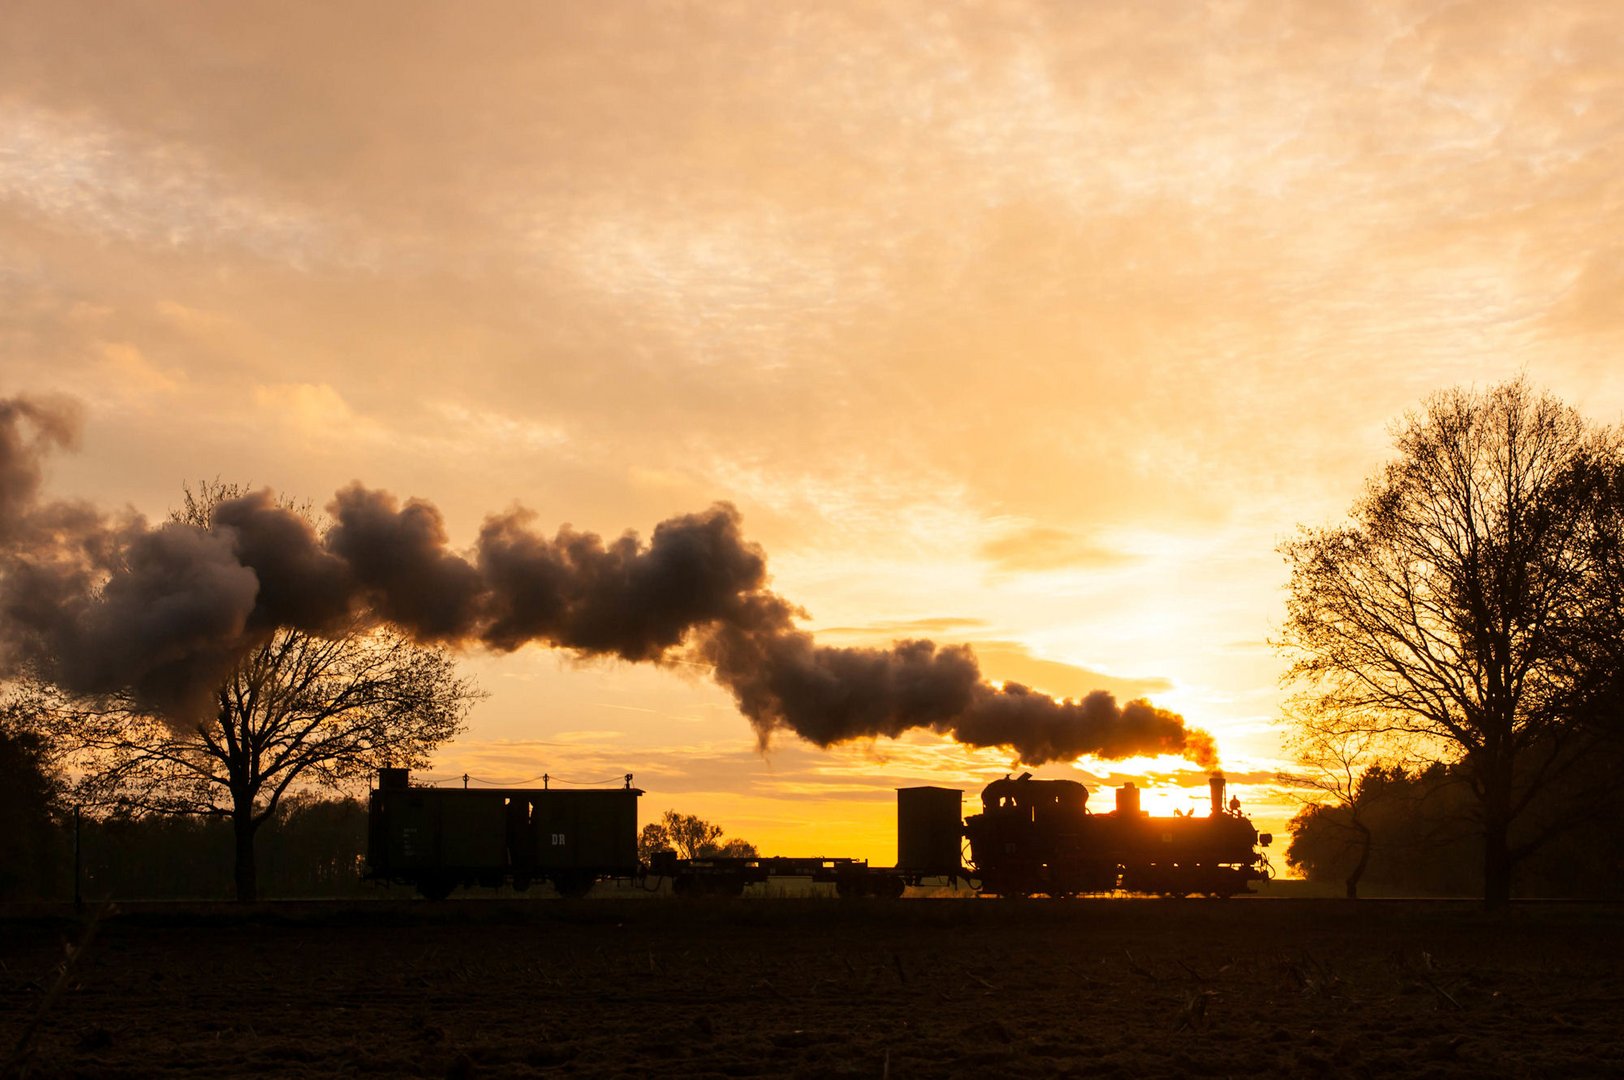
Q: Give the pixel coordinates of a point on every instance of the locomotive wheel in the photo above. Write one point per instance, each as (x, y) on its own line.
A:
(1011, 887)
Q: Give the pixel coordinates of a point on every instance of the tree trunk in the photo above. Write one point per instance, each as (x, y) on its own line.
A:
(1497, 829)
(1364, 858)
(1496, 865)
(246, 871)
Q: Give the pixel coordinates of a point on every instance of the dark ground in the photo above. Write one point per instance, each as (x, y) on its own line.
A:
(916, 988)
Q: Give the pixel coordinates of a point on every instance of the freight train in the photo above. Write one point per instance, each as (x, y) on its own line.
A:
(1032, 837)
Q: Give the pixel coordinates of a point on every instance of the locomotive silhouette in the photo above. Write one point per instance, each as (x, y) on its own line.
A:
(1032, 837)
(1037, 836)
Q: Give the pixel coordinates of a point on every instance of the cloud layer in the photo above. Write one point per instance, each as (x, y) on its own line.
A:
(1050, 316)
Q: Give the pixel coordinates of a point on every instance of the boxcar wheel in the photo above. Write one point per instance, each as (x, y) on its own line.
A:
(436, 888)
(729, 885)
(573, 886)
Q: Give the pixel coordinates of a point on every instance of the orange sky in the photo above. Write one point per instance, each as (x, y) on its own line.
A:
(1032, 326)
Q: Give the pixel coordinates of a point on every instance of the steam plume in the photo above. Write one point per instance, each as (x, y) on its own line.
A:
(102, 604)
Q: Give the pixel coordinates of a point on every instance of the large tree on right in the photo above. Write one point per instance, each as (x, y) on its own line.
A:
(1456, 612)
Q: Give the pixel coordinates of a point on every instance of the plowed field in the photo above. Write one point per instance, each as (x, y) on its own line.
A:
(913, 988)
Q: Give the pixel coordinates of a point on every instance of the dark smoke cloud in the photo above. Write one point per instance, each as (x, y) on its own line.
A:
(28, 428)
(302, 584)
(620, 599)
(104, 604)
(398, 556)
(782, 680)
(169, 624)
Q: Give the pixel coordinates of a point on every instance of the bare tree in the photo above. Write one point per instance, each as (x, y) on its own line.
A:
(1435, 618)
(1335, 757)
(298, 711)
(1593, 634)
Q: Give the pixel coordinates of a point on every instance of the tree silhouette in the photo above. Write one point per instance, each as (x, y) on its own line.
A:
(1340, 764)
(298, 711)
(1441, 617)
(1415, 838)
(691, 837)
(29, 792)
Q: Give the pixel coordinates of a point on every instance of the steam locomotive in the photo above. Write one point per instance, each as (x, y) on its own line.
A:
(1037, 836)
(1032, 837)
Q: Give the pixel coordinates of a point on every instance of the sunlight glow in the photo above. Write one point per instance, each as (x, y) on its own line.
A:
(1027, 327)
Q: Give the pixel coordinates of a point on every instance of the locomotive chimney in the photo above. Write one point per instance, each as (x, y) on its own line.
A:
(1217, 785)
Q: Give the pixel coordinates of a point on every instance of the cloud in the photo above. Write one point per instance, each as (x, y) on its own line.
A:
(949, 625)
(314, 412)
(1008, 661)
(1589, 305)
(113, 183)
(1043, 547)
(125, 367)
(1132, 232)
(1004, 660)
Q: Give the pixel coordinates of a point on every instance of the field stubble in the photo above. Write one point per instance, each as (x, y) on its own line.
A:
(921, 988)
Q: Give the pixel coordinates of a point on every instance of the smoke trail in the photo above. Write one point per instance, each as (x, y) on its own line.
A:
(101, 604)
(782, 680)
(28, 429)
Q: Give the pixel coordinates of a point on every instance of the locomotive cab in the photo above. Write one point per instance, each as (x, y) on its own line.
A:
(1024, 796)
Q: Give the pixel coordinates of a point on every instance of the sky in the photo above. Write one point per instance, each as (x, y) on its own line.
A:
(1031, 326)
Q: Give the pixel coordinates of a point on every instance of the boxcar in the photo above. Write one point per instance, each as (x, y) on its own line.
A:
(437, 839)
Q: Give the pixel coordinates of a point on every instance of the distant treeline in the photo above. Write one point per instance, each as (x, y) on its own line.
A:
(310, 848)
(1425, 839)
